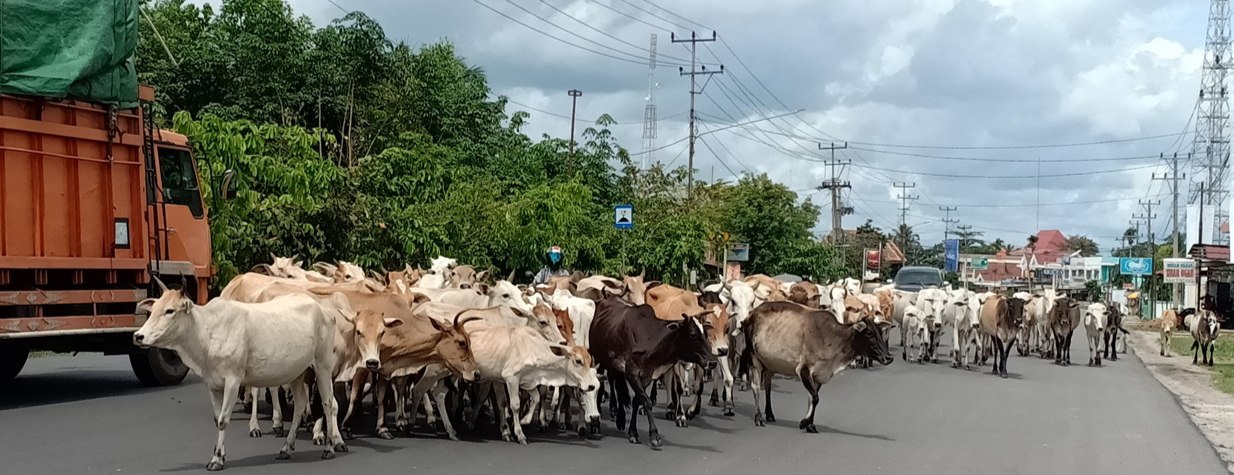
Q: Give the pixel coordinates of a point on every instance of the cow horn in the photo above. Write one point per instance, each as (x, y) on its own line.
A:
(162, 286)
(262, 269)
(510, 278)
(642, 272)
(273, 257)
(383, 269)
(459, 314)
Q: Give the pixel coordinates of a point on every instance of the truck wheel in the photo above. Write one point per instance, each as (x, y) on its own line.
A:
(158, 367)
(11, 362)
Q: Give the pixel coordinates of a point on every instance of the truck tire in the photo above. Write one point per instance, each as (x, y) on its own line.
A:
(158, 367)
(12, 360)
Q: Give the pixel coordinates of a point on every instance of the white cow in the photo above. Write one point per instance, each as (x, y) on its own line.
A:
(467, 298)
(231, 344)
(931, 302)
(439, 274)
(518, 358)
(915, 327)
(581, 312)
(962, 315)
(292, 268)
(1095, 320)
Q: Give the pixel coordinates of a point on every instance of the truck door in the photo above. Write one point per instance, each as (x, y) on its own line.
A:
(188, 231)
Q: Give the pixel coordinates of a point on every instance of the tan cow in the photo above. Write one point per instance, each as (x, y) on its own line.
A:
(1169, 322)
(1000, 321)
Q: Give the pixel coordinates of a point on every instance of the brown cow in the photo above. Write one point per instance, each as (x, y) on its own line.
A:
(1064, 319)
(788, 339)
(1204, 332)
(672, 303)
(1000, 320)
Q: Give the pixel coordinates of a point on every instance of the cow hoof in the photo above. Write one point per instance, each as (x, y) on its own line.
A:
(656, 443)
(634, 439)
(811, 429)
(327, 455)
(714, 403)
(522, 441)
(582, 432)
(319, 441)
(347, 435)
(255, 433)
(728, 412)
(760, 421)
(621, 426)
(955, 365)
(278, 431)
(670, 415)
(283, 455)
(770, 418)
(214, 466)
(385, 434)
(682, 423)
(1002, 375)
(642, 411)
(340, 447)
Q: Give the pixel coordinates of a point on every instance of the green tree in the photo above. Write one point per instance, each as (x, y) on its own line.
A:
(1083, 244)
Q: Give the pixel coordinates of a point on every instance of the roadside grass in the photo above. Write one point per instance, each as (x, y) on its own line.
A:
(40, 354)
(1223, 369)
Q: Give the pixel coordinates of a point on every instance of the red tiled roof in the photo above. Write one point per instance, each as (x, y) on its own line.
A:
(1216, 252)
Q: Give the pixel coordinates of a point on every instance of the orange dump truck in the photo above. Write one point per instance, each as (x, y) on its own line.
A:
(94, 202)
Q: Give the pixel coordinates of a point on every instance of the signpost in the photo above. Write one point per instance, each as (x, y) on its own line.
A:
(738, 252)
(979, 263)
(1178, 271)
(1135, 265)
(623, 216)
(951, 255)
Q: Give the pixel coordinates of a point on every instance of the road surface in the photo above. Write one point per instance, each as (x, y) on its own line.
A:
(87, 414)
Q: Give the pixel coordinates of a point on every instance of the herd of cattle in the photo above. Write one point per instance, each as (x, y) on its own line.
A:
(453, 341)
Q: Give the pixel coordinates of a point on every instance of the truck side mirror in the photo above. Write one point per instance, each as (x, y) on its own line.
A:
(227, 190)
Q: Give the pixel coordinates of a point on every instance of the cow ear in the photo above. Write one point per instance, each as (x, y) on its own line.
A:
(349, 316)
(393, 322)
(482, 288)
(859, 326)
(482, 276)
(147, 305)
(441, 327)
(654, 284)
(1073, 304)
(559, 350)
(673, 326)
(885, 325)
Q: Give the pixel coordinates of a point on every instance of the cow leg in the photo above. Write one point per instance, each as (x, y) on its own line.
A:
(254, 429)
(499, 410)
(325, 393)
(727, 390)
(807, 380)
(904, 333)
(1212, 349)
(533, 404)
(998, 352)
(653, 434)
(757, 382)
(439, 394)
(591, 410)
(1113, 353)
(353, 401)
(699, 385)
(299, 395)
(1006, 356)
(277, 396)
(399, 386)
(957, 353)
(482, 392)
(548, 413)
(621, 397)
(380, 391)
(512, 390)
(219, 401)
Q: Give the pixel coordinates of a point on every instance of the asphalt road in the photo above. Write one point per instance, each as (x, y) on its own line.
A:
(87, 414)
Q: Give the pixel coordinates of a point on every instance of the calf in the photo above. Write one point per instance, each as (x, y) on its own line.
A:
(635, 348)
(231, 344)
(963, 315)
(1204, 332)
(1169, 322)
(1095, 322)
(918, 335)
(788, 339)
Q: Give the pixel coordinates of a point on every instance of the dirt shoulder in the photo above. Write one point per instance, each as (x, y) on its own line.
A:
(1211, 410)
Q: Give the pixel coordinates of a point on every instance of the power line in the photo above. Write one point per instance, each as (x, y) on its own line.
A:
(563, 116)
(670, 12)
(602, 32)
(1010, 177)
(581, 37)
(718, 158)
(639, 62)
(636, 7)
(627, 15)
(1008, 160)
(1016, 147)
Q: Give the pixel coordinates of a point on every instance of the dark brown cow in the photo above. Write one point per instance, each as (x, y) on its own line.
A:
(804, 293)
(1064, 318)
(1000, 320)
(788, 339)
(1112, 329)
(634, 348)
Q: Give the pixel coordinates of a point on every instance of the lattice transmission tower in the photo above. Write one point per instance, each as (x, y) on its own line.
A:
(1210, 147)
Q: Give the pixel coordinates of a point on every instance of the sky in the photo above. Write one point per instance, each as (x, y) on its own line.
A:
(885, 76)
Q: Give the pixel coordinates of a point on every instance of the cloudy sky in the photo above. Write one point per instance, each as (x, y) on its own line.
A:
(956, 74)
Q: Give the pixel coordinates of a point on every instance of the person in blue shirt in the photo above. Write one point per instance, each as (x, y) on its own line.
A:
(554, 266)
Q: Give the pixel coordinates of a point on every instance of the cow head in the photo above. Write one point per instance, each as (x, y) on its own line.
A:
(348, 272)
(1015, 312)
(804, 293)
(170, 317)
(852, 286)
(454, 347)
(716, 325)
(579, 366)
(741, 300)
(564, 324)
(868, 341)
(506, 294)
(371, 326)
(689, 343)
(636, 289)
(850, 310)
(544, 322)
(1066, 310)
(463, 277)
(1211, 323)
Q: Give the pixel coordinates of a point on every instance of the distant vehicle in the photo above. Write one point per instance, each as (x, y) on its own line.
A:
(912, 279)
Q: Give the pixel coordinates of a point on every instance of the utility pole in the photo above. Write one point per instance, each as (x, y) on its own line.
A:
(1149, 217)
(1172, 177)
(834, 185)
(964, 229)
(694, 41)
(904, 199)
(574, 95)
(947, 222)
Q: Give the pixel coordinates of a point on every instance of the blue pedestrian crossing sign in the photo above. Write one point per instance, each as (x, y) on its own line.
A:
(623, 216)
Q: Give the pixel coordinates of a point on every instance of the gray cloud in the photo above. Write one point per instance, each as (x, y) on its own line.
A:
(962, 72)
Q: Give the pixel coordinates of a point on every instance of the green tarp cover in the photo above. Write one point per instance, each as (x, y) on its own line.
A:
(82, 49)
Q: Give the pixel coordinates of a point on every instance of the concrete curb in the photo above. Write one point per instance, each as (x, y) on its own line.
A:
(1211, 411)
